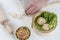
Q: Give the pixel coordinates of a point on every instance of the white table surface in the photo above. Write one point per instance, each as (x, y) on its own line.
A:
(14, 6)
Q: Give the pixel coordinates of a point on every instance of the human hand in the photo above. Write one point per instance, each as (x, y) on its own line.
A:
(34, 6)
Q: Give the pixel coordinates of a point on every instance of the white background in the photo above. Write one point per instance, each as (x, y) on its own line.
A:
(14, 6)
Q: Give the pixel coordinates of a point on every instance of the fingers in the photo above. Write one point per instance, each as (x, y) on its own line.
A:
(35, 11)
(30, 10)
(29, 6)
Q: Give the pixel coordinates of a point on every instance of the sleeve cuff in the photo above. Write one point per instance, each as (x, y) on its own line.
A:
(51, 1)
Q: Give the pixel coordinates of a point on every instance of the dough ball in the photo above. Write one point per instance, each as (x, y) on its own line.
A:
(45, 27)
(41, 21)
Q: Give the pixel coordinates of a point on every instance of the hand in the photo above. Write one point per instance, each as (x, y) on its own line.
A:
(34, 6)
